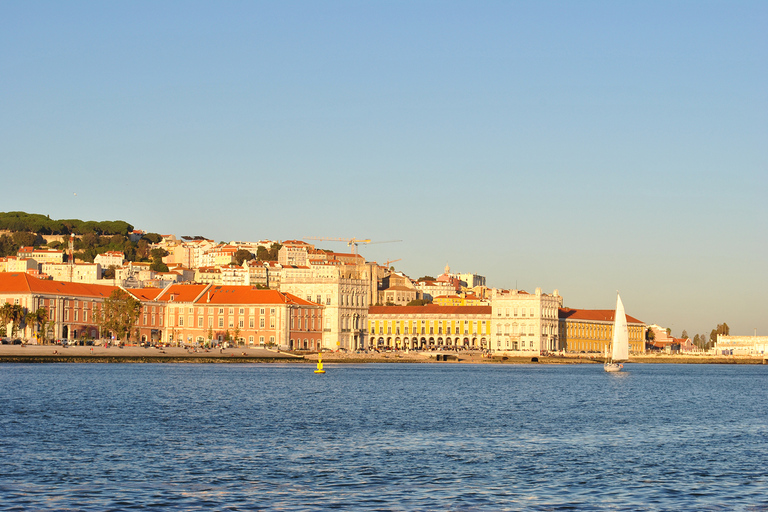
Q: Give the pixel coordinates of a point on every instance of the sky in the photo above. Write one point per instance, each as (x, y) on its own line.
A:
(584, 146)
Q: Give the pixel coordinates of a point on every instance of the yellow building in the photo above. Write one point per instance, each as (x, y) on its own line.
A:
(429, 326)
(591, 331)
(456, 300)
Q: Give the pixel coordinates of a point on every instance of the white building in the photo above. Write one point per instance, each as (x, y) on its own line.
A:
(742, 345)
(525, 322)
(110, 259)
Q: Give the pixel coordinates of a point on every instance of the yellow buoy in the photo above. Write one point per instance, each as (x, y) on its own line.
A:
(319, 364)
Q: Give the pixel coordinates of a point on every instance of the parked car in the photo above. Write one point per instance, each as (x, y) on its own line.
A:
(16, 342)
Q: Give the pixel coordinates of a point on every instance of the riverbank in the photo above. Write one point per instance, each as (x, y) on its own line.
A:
(133, 354)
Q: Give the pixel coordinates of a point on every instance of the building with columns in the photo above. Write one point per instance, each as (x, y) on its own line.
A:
(524, 322)
(428, 326)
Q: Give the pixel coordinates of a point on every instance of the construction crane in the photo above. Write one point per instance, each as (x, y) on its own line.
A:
(351, 242)
(386, 264)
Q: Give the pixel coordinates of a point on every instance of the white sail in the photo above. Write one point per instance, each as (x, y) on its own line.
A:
(620, 333)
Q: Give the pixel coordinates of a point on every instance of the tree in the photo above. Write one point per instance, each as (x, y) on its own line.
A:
(118, 314)
(685, 334)
(157, 255)
(264, 254)
(37, 320)
(16, 318)
(425, 278)
(243, 255)
(418, 302)
(5, 315)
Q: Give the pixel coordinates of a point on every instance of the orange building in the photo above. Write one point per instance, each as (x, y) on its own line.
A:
(591, 331)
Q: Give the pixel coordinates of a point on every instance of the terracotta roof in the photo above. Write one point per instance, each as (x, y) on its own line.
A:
(429, 309)
(595, 315)
(222, 294)
(16, 282)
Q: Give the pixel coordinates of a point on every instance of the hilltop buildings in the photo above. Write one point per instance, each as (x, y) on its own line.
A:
(308, 299)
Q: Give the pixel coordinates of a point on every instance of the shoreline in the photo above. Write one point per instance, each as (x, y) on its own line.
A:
(135, 354)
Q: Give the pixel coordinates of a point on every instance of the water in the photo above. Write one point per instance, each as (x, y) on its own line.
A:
(383, 437)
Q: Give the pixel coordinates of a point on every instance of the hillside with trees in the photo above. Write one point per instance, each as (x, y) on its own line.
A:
(91, 237)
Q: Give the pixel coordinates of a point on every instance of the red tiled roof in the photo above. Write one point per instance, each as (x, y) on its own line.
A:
(16, 282)
(223, 294)
(595, 315)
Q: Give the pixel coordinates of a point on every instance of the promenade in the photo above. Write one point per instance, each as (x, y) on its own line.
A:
(135, 354)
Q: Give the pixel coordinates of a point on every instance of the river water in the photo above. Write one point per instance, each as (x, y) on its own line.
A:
(383, 437)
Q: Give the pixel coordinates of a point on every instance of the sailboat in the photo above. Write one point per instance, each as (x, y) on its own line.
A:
(319, 364)
(620, 343)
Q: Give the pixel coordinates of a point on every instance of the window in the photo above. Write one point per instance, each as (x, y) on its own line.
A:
(199, 321)
(231, 311)
(328, 300)
(250, 323)
(221, 311)
(319, 299)
(272, 323)
(261, 311)
(241, 324)
(181, 321)
(261, 323)
(272, 311)
(221, 321)
(242, 311)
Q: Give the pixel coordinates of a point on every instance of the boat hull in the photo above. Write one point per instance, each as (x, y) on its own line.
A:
(613, 367)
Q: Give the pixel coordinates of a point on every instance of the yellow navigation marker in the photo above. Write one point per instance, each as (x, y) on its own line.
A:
(319, 364)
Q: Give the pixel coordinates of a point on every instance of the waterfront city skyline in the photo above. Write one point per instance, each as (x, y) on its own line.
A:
(579, 146)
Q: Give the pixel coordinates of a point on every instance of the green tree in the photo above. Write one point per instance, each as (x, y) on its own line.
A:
(37, 320)
(419, 302)
(118, 314)
(157, 255)
(685, 334)
(243, 255)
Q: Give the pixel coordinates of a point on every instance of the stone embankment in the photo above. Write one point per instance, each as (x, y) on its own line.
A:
(77, 354)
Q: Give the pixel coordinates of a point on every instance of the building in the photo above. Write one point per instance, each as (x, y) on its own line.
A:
(41, 255)
(16, 264)
(73, 272)
(524, 322)
(72, 307)
(428, 327)
(741, 345)
(460, 300)
(345, 290)
(398, 295)
(591, 331)
(110, 259)
(198, 313)
(428, 289)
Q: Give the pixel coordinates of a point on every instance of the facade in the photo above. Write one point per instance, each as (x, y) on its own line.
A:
(196, 314)
(398, 295)
(73, 272)
(458, 300)
(591, 331)
(344, 290)
(428, 290)
(16, 264)
(524, 322)
(110, 259)
(71, 306)
(428, 327)
(41, 255)
(742, 345)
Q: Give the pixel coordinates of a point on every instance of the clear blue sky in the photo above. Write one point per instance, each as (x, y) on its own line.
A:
(578, 145)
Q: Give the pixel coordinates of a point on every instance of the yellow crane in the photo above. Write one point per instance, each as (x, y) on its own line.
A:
(351, 242)
(387, 263)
